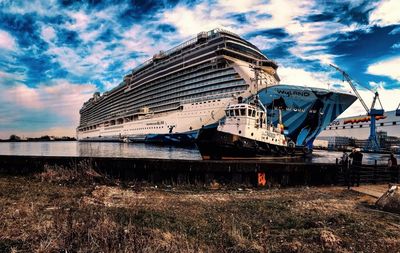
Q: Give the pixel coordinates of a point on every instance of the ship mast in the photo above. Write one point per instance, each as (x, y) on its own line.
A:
(256, 68)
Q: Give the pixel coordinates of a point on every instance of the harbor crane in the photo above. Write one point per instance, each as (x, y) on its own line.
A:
(373, 143)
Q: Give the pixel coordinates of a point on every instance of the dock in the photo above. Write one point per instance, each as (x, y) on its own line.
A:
(274, 172)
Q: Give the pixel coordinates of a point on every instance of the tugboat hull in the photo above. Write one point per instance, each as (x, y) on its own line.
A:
(214, 144)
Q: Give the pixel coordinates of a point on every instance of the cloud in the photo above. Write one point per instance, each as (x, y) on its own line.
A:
(386, 13)
(264, 43)
(301, 77)
(396, 46)
(388, 67)
(48, 33)
(22, 95)
(54, 104)
(7, 41)
(202, 17)
(386, 96)
(80, 21)
(395, 30)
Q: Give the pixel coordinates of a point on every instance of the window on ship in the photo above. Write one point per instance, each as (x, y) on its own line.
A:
(243, 112)
(237, 112)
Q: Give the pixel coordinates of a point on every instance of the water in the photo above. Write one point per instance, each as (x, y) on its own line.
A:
(141, 150)
(98, 149)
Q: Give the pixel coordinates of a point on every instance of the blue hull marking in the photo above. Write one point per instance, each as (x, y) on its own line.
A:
(305, 111)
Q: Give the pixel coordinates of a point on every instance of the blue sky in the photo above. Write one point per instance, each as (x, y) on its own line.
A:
(55, 54)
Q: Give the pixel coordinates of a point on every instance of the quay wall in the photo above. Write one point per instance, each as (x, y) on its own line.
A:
(172, 171)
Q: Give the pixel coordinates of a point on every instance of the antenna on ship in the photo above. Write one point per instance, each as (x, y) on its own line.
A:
(256, 68)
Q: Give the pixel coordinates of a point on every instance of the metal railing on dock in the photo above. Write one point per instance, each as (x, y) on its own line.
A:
(350, 175)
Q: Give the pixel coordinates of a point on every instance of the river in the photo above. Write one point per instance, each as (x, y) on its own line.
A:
(141, 150)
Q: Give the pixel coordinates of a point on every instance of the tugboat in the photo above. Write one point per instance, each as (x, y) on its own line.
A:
(244, 132)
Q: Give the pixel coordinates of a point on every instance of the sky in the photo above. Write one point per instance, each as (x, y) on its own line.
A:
(54, 54)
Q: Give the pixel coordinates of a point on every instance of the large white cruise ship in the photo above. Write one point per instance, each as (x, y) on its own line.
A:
(170, 97)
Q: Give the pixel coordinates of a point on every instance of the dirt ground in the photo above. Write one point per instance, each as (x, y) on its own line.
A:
(39, 215)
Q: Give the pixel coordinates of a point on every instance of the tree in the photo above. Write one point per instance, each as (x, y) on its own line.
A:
(14, 137)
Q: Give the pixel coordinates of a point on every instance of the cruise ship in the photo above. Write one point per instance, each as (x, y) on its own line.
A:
(173, 95)
(358, 127)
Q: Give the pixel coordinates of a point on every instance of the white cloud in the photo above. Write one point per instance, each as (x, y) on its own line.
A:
(388, 67)
(386, 96)
(22, 95)
(264, 43)
(65, 98)
(48, 33)
(201, 17)
(12, 76)
(396, 30)
(42, 8)
(81, 21)
(261, 15)
(301, 77)
(238, 6)
(7, 41)
(386, 13)
(396, 46)
(69, 60)
(57, 97)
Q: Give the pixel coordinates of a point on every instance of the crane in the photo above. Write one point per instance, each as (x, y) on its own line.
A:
(373, 143)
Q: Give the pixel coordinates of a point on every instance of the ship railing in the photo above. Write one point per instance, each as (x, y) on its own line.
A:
(213, 33)
(218, 30)
(167, 53)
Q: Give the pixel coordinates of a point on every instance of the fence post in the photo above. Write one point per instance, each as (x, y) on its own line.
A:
(375, 172)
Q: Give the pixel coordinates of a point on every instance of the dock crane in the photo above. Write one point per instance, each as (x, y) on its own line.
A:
(373, 143)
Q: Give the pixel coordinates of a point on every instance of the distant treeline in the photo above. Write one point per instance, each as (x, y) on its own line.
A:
(16, 138)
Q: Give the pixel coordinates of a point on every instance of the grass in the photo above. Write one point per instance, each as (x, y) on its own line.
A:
(58, 211)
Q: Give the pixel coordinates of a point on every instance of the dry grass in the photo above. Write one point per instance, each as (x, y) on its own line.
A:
(76, 173)
(44, 215)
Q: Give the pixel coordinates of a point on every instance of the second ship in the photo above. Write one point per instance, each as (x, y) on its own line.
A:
(170, 97)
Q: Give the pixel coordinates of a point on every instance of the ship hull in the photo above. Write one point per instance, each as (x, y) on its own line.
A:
(305, 113)
(214, 144)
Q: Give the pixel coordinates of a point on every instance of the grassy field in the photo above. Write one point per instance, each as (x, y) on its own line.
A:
(50, 213)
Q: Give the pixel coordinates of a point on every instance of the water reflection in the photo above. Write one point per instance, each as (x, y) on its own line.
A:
(141, 150)
(136, 150)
